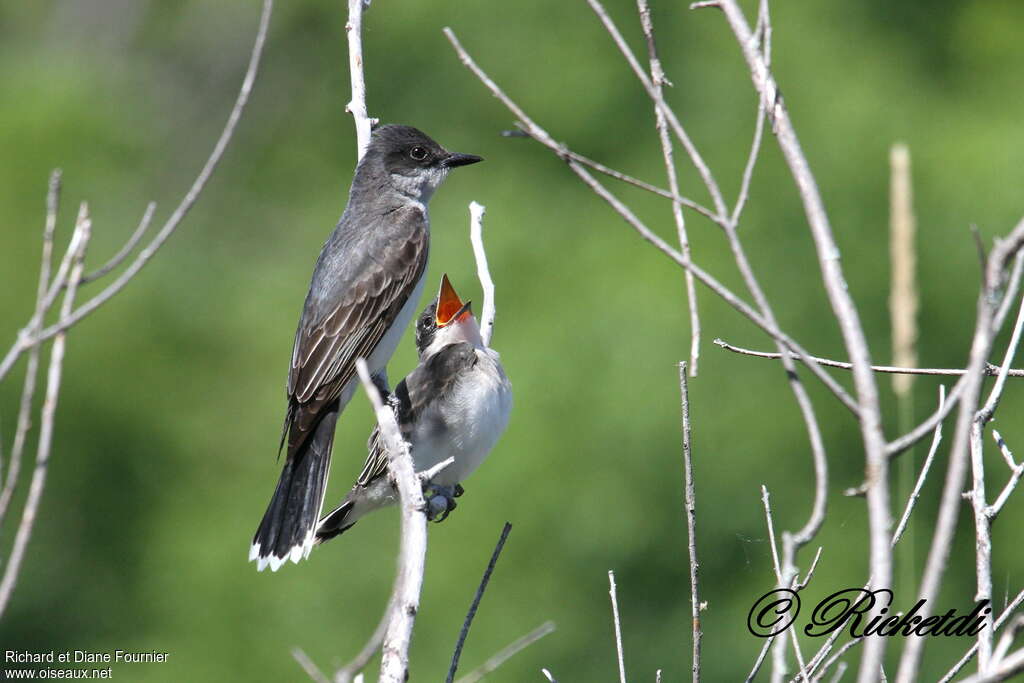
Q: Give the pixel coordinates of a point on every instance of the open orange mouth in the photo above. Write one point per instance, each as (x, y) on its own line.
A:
(449, 306)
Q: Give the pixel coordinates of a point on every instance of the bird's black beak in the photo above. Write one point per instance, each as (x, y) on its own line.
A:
(455, 159)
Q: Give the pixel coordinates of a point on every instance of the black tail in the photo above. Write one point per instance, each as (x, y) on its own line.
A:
(288, 525)
(335, 523)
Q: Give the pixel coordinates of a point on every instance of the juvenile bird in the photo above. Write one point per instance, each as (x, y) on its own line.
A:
(455, 404)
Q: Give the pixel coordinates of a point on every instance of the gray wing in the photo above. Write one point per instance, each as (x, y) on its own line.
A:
(431, 381)
(350, 306)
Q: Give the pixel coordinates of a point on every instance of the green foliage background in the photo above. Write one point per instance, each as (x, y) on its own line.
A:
(173, 395)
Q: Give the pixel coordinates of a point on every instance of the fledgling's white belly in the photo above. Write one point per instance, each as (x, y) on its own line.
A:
(467, 424)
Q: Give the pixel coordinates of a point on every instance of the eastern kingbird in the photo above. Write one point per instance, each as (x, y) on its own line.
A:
(455, 404)
(364, 291)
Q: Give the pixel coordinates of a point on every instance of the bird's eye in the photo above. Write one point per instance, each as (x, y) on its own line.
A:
(418, 153)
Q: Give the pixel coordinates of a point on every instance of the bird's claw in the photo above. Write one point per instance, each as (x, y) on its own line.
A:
(441, 501)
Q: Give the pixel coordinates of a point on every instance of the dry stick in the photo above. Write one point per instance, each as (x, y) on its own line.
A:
(982, 519)
(346, 673)
(791, 542)
(658, 80)
(916, 493)
(24, 342)
(32, 370)
(126, 248)
(1007, 668)
(508, 652)
(542, 136)
(659, 102)
(567, 154)
(483, 273)
(308, 666)
(1010, 608)
(79, 242)
(949, 508)
(1011, 484)
(464, 632)
(357, 105)
(413, 545)
(989, 370)
(547, 675)
(903, 293)
(618, 626)
(764, 30)
(845, 310)
(760, 659)
(783, 581)
(690, 497)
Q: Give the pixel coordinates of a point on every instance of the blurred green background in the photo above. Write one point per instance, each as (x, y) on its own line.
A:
(173, 395)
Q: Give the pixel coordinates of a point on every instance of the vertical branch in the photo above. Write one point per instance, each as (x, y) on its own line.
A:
(618, 626)
(879, 518)
(79, 241)
(658, 80)
(405, 601)
(691, 524)
(476, 237)
(357, 105)
(32, 368)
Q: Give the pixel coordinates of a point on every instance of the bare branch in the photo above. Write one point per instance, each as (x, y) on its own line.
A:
(690, 499)
(413, 546)
(618, 626)
(1009, 610)
(346, 673)
(79, 242)
(476, 237)
(903, 293)
(126, 248)
(989, 370)
(507, 653)
(542, 136)
(764, 29)
(357, 105)
(916, 493)
(464, 632)
(308, 666)
(670, 116)
(657, 80)
(32, 369)
(25, 341)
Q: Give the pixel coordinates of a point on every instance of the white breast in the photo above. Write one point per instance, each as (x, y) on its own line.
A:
(475, 414)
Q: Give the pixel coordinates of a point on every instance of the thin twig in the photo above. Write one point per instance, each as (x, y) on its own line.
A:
(760, 659)
(24, 342)
(845, 310)
(764, 30)
(658, 80)
(698, 161)
(32, 367)
(483, 273)
(969, 655)
(79, 242)
(126, 248)
(357, 105)
(542, 136)
(464, 632)
(346, 673)
(508, 652)
(989, 370)
(949, 508)
(690, 499)
(916, 493)
(618, 626)
(311, 669)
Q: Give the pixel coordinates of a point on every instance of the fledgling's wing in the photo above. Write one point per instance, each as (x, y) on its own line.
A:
(431, 381)
(351, 305)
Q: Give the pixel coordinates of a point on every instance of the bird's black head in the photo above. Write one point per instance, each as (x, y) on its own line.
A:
(426, 327)
(415, 163)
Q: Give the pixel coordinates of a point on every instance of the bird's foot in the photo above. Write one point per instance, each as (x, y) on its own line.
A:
(441, 501)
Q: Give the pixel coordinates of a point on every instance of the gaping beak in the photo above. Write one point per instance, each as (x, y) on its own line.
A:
(455, 159)
(449, 306)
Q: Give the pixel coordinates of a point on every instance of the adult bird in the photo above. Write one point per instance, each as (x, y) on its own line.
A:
(455, 404)
(364, 291)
